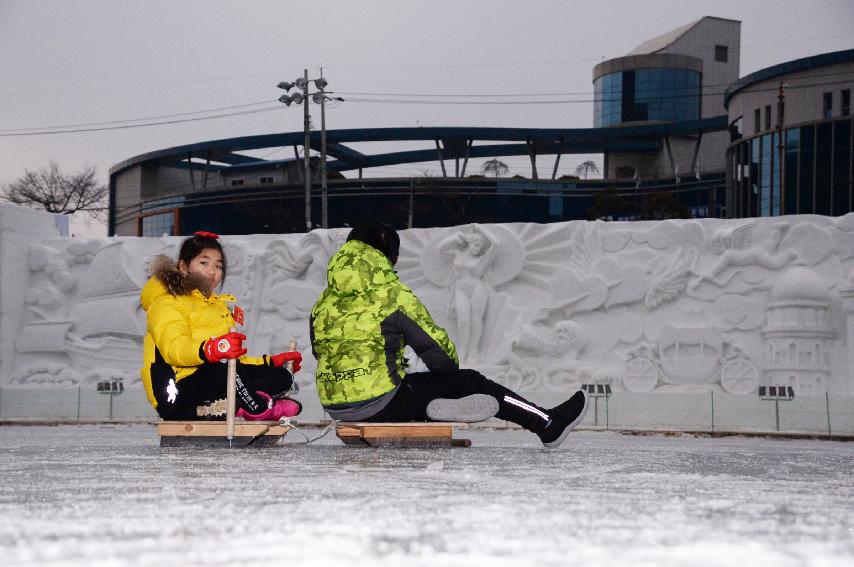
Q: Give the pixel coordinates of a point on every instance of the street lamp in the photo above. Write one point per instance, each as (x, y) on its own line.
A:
(318, 97)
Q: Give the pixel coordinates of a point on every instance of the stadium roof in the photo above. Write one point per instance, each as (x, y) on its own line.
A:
(445, 143)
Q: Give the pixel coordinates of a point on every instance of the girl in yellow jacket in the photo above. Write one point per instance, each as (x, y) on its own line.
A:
(188, 337)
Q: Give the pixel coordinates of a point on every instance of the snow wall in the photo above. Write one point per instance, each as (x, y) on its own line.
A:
(677, 306)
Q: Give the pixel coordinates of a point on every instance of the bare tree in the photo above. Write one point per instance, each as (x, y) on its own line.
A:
(585, 168)
(495, 167)
(55, 192)
(660, 206)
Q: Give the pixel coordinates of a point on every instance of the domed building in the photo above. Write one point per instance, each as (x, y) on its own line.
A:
(799, 333)
(792, 130)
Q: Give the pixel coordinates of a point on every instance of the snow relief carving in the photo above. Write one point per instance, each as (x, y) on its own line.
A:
(672, 306)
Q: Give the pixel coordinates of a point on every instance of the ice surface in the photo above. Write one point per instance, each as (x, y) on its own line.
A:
(109, 495)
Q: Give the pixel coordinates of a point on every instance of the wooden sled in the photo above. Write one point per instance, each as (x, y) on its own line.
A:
(213, 433)
(427, 434)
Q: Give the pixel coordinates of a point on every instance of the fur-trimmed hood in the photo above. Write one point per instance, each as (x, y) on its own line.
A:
(166, 278)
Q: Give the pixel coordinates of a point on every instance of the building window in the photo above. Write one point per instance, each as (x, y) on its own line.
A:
(767, 116)
(790, 179)
(827, 106)
(236, 182)
(841, 165)
(757, 116)
(646, 94)
(264, 180)
(765, 188)
(721, 53)
(846, 102)
(806, 168)
(735, 129)
(158, 224)
(823, 163)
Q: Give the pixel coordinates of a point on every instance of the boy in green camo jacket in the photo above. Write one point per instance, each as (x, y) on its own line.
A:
(359, 328)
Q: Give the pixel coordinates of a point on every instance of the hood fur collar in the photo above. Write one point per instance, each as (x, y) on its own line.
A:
(176, 282)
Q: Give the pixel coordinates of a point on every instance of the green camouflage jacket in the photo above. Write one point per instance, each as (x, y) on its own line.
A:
(360, 324)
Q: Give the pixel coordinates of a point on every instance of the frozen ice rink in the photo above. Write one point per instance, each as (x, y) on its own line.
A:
(109, 495)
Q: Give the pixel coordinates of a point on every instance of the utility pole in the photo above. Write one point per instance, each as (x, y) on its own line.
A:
(781, 146)
(323, 187)
(307, 151)
(318, 97)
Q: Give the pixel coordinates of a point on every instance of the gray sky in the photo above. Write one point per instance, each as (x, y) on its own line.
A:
(88, 61)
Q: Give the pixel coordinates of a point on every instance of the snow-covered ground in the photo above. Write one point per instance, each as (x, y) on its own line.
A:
(109, 495)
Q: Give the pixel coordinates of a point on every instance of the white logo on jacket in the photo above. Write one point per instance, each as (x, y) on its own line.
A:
(172, 390)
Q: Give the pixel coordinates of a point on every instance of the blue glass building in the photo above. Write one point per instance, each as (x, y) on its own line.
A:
(676, 77)
(638, 95)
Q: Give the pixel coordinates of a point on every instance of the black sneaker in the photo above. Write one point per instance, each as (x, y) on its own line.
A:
(564, 418)
(468, 409)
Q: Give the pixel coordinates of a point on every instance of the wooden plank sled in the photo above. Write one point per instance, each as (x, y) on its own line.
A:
(421, 434)
(213, 433)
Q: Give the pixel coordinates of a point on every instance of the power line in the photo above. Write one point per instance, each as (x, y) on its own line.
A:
(503, 95)
(576, 101)
(721, 86)
(140, 85)
(798, 40)
(109, 122)
(126, 126)
(122, 124)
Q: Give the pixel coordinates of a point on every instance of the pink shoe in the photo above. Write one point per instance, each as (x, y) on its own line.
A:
(276, 409)
(287, 407)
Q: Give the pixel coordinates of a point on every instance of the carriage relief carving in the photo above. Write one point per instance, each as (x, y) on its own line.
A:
(690, 356)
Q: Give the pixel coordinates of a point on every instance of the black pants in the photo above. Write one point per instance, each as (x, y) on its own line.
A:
(420, 388)
(208, 384)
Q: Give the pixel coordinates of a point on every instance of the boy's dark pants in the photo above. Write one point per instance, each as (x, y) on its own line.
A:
(420, 388)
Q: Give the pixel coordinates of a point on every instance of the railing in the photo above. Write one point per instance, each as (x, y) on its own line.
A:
(826, 415)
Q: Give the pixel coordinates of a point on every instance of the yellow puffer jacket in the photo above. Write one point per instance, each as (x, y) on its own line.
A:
(180, 319)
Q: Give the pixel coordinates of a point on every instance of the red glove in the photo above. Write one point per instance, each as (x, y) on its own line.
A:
(277, 360)
(229, 345)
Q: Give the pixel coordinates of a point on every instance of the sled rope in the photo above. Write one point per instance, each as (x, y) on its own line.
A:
(286, 421)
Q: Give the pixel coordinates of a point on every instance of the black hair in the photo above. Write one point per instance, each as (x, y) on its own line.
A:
(380, 235)
(195, 245)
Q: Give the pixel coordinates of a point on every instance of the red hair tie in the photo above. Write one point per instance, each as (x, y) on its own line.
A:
(206, 234)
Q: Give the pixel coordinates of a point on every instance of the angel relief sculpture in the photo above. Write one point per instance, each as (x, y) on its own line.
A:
(738, 248)
(291, 276)
(669, 277)
(591, 280)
